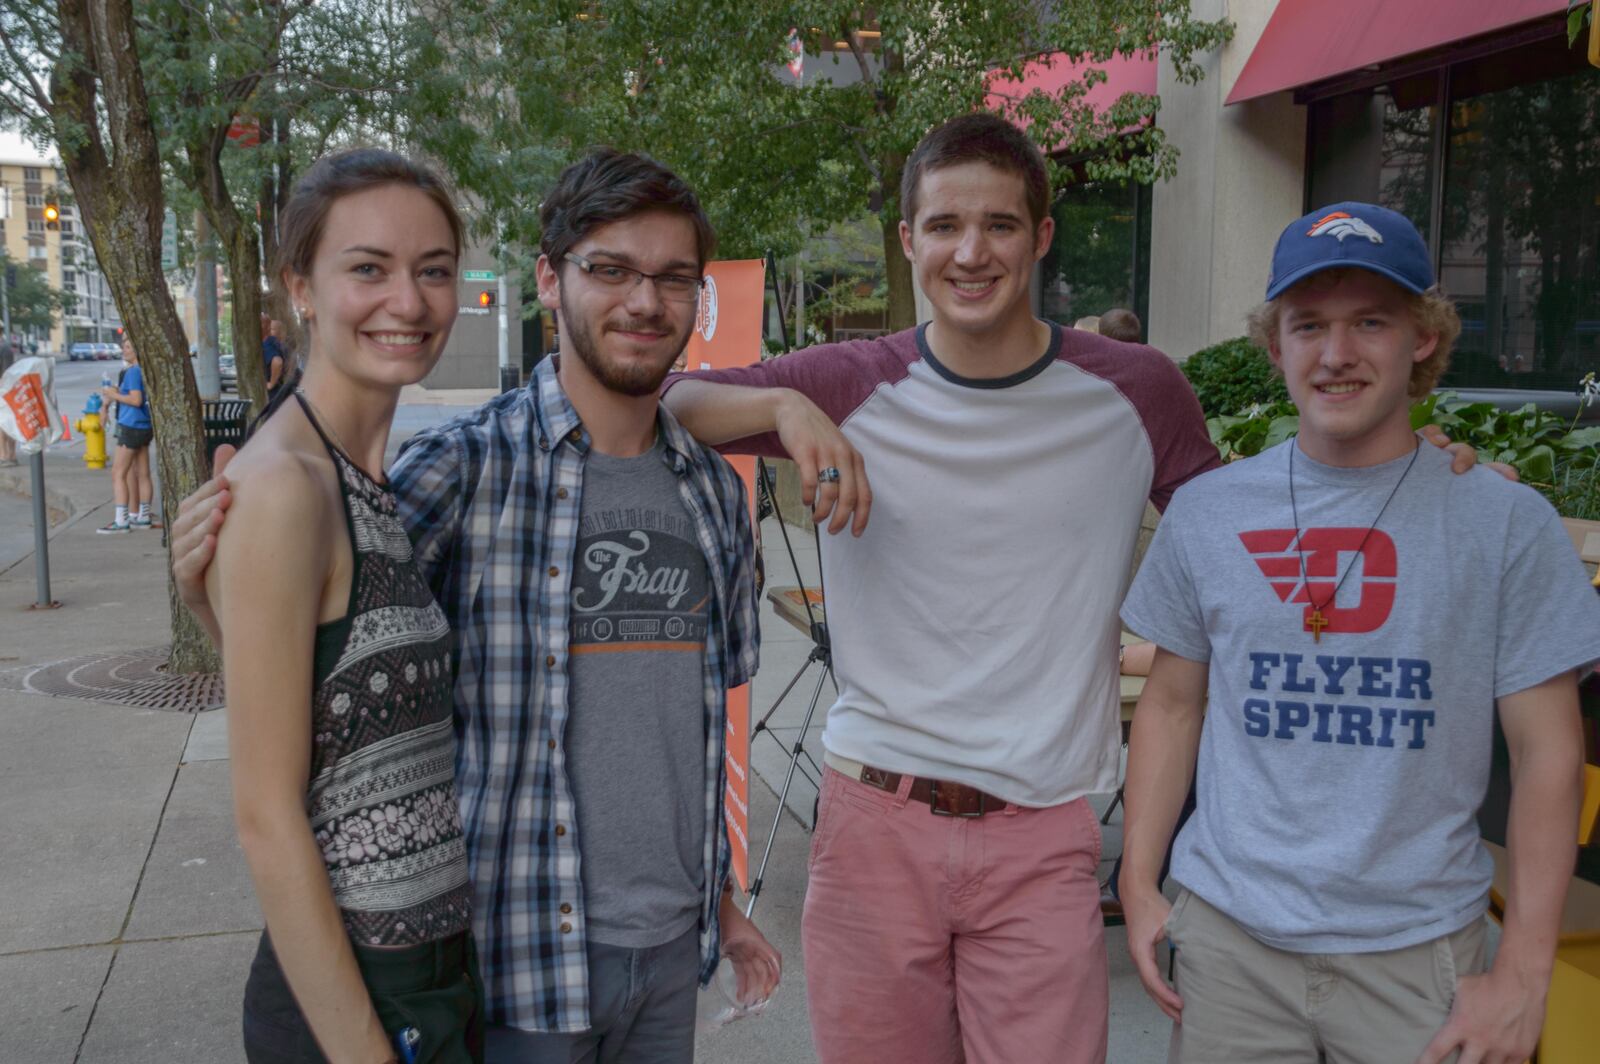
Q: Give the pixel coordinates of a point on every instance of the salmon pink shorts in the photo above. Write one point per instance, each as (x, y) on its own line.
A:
(935, 940)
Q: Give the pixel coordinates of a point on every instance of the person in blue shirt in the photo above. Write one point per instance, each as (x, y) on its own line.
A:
(272, 356)
(130, 466)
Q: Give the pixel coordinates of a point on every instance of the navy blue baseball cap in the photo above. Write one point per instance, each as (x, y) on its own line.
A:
(1359, 235)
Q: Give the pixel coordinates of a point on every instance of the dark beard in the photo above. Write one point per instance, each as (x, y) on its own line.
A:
(634, 381)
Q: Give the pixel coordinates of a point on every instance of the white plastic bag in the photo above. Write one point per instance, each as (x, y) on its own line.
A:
(28, 410)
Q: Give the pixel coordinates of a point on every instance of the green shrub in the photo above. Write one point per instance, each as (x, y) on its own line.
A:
(1253, 431)
(1233, 376)
(1575, 488)
(1547, 451)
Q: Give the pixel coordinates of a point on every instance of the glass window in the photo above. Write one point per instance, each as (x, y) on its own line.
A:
(30, 173)
(1376, 147)
(1520, 247)
(1517, 200)
(1100, 255)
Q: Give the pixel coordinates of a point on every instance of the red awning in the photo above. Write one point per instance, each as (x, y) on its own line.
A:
(1309, 40)
(1124, 73)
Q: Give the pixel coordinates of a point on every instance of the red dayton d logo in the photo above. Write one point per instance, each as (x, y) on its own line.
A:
(1278, 556)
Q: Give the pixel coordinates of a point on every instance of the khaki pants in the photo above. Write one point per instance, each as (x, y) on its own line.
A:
(1245, 1002)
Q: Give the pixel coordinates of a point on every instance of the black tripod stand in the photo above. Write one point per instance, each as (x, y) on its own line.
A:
(821, 654)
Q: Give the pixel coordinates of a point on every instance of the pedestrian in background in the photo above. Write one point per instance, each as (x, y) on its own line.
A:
(1119, 323)
(131, 484)
(272, 356)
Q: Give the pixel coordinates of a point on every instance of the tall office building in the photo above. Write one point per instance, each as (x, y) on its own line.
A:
(29, 179)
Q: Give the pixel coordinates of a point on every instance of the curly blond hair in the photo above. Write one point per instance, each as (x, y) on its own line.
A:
(1432, 311)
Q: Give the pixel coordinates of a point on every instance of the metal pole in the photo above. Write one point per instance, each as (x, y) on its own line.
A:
(509, 376)
(41, 532)
(208, 375)
(783, 795)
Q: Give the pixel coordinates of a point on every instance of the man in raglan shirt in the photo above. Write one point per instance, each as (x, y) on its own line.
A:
(953, 905)
(1359, 615)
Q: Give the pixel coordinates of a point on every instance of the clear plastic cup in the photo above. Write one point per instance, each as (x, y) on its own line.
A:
(720, 1003)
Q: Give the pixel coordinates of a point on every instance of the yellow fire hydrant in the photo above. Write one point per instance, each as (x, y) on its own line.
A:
(94, 439)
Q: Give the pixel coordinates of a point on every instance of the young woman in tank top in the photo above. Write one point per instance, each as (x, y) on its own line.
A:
(336, 655)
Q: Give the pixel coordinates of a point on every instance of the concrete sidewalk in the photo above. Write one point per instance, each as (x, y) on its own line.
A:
(130, 919)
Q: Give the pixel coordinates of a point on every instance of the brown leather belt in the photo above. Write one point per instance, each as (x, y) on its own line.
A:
(942, 797)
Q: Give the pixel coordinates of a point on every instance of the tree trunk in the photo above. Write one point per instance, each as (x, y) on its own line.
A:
(902, 313)
(241, 247)
(275, 187)
(244, 267)
(208, 374)
(117, 183)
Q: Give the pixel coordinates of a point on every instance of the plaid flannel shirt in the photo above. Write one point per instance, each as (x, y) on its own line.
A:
(491, 501)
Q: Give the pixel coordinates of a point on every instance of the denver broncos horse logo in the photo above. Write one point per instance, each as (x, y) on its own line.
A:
(1340, 225)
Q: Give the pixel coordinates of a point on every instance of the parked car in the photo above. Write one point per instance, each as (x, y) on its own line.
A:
(107, 352)
(81, 352)
(225, 369)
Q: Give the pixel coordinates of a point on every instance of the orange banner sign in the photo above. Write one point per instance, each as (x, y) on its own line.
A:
(727, 333)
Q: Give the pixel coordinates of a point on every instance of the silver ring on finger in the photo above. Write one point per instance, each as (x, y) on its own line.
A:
(830, 475)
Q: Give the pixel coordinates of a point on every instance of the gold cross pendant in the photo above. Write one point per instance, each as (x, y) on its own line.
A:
(1315, 623)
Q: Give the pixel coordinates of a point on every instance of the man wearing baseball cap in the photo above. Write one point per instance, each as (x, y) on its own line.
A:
(1359, 614)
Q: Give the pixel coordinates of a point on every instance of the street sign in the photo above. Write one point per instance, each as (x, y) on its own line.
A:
(169, 241)
(477, 275)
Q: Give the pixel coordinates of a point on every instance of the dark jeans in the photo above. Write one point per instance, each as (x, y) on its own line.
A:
(432, 987)
(641, 1011)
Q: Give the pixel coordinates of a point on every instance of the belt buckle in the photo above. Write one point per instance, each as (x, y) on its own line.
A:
(933, 804)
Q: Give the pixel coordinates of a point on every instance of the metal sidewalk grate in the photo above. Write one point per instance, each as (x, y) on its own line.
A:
(134, 678)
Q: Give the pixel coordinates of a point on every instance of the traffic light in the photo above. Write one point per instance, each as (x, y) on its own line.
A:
(52, 216)
(486, 298)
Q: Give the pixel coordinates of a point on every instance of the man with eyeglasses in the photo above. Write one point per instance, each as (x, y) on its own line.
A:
(596, 566)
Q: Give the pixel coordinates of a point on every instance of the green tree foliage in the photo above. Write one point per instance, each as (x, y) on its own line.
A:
(1232, 377)
(35, 306)
(269, 68)
(519, 86)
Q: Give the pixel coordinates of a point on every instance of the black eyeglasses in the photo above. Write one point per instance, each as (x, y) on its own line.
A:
(677, 287)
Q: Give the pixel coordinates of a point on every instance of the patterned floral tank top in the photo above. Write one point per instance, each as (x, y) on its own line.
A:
(382, 796)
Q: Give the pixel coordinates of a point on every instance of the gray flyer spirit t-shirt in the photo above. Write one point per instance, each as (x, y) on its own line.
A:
(1339, 778)
(636, 743)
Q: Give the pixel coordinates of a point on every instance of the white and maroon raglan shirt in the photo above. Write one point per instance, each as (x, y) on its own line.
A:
(974, 623)
(1354, 666)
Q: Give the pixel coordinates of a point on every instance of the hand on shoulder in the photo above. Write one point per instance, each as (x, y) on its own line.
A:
(283, 515)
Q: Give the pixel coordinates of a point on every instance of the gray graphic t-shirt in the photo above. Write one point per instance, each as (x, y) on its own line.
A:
(1339, 777)
(636, 729)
